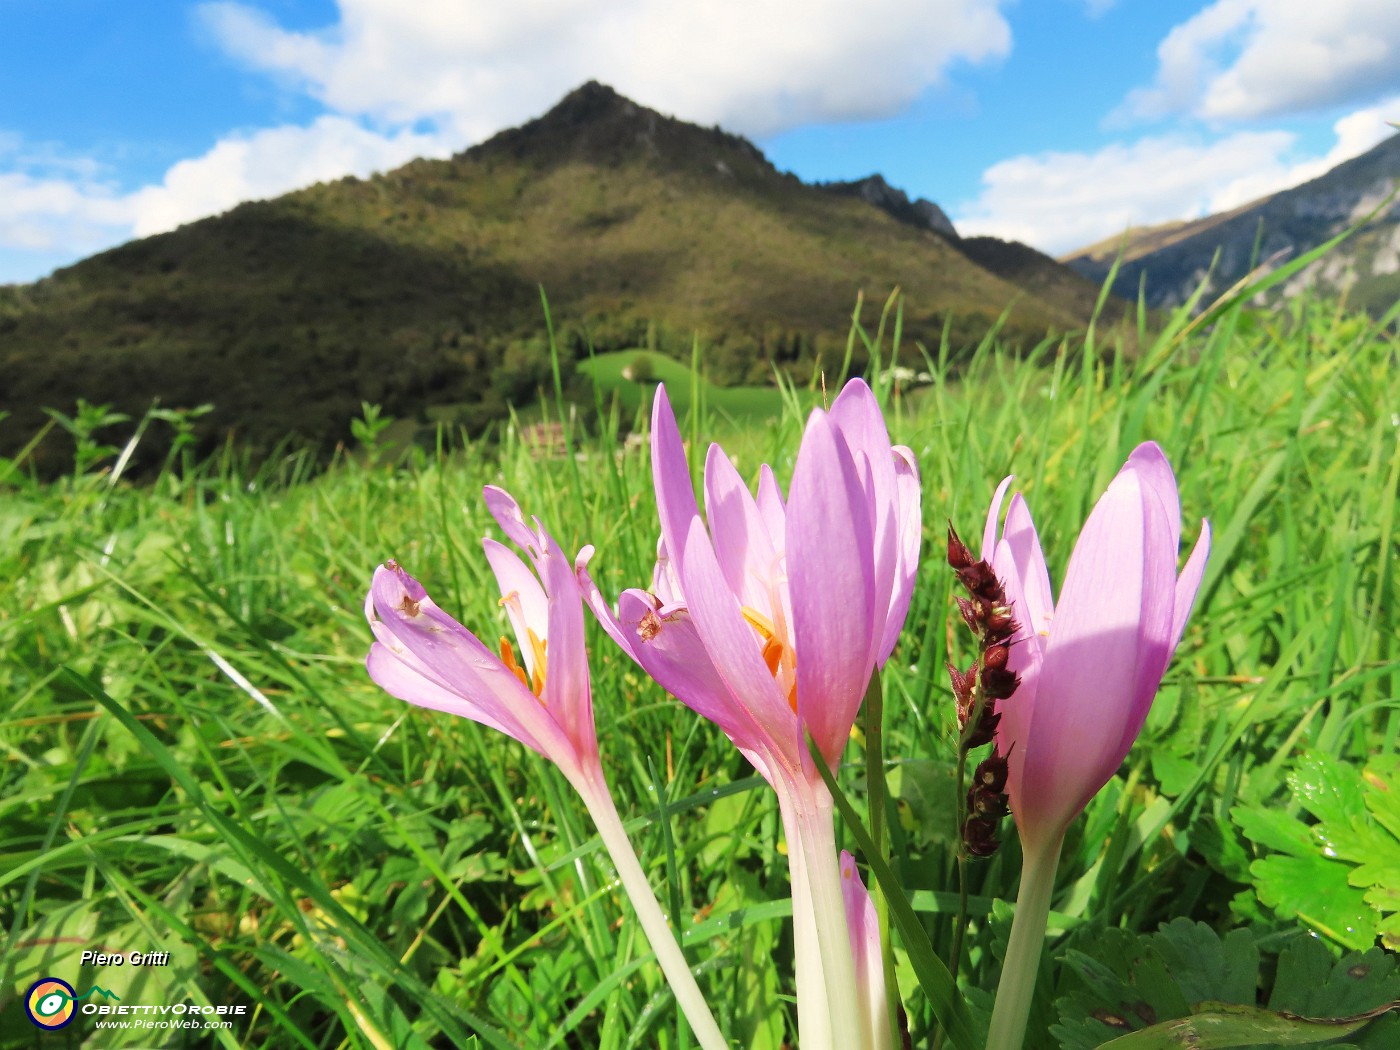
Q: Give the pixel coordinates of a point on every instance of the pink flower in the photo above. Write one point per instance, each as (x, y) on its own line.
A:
(773, 617)
(539, 696)
(1091, 663)
(768, 618)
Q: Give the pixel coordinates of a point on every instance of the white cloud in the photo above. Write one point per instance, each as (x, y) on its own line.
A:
(755, 66)
(1063, 201)
(44, 214)
(1246, 59)
(272, 162)
(62, 208)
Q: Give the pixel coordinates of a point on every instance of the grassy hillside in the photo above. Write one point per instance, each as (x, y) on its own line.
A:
(421, 286)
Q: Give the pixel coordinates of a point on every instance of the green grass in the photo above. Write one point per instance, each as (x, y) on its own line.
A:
(196, 761)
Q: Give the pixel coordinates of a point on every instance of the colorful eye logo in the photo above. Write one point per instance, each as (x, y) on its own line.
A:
(49, 1002)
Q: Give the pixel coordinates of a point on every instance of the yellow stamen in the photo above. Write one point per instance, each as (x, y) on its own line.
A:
(537, 646)
(774, 652)
(533, 682)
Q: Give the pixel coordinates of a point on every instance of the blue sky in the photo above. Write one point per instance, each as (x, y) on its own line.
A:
(1057, 122)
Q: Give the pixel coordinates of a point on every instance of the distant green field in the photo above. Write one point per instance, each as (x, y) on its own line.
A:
(748, 404)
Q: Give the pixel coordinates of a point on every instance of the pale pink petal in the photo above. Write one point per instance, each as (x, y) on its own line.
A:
(1150, 462)
(1020, 565)
(1190, 582)
(566, 691)
(675, 495)
(856, 415)
(864, 928)
(397, 677)
(1090, 670)
(508, 516)
(1155, 642)
(665, 580)
(1034, 605)
(884, 559)
(522, 597)
(734, 648)
(909, 527)
(991, 531)
(741, 543)
(412, 628)
(594, 599)
(770, 506)
(670, 650)
(830, 570)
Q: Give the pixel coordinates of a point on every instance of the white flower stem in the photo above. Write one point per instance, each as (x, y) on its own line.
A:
(1018, 973)
(654, 924)
(807, 816)
(813, 1018)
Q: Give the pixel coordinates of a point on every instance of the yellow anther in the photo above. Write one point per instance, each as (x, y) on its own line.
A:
(775, 653)
(537, 646)
(533, 682)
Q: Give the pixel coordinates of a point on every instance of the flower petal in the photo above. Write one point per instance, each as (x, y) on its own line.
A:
(1020, 565)
(567, 693)
(864, 928)
(522, 597)
(734, 649)
(675, 495)
(990, 533)
(1020, 555)
(1089, 677)
(909, 538)
(745, 554)
(507, 513)
(1150, 463)
(830, 577)
(857, 416)
(1190, 582)
(412, 630)
(771, 507)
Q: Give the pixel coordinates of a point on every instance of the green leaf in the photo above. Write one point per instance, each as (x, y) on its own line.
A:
(1342, 874)
(1186, 986)
(1316, 890)
(1227, 1025)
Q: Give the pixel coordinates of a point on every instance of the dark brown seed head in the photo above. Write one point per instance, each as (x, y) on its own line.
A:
(999, 683)
(994, 656)
(986, 727)
(999, 620)
(971, 613)
(962, 686)
(979, 836)
(959, 557)
(988, 805)
(981, 582)
(991, 773)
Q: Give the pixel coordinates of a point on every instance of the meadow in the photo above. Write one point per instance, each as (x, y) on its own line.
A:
(196, 761)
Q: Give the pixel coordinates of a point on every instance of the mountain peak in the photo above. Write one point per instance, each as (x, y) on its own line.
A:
(873, 189)
(595, 124)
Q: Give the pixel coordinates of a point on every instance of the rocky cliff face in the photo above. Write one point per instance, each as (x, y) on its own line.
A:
(1366, 266)
(873, 189)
